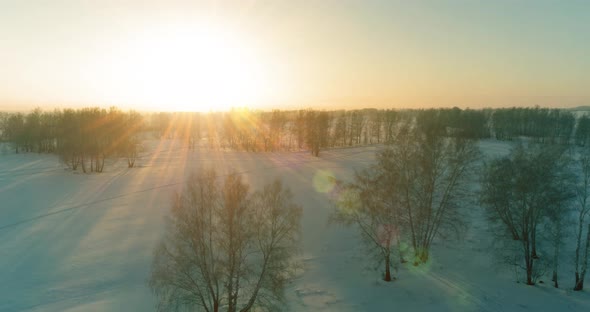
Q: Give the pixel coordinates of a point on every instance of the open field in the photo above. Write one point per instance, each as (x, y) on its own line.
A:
(83, 242)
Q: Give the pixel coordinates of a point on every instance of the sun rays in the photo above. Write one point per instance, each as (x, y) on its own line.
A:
(190, 67)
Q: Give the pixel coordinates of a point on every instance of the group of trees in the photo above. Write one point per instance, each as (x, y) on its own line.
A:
(553, 126)
(184, 126)
(91, 134)
(470, 124)
(542, 124)
(368, 126)
(281, 130)
(229, 249)
(582, 135)
(226, 248)
(287, 130)
(537, 190)
(33, 132)
(412, 194)
(82, 138)
(277, 130)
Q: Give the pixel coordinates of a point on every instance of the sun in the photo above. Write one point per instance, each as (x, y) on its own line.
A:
(200, 67)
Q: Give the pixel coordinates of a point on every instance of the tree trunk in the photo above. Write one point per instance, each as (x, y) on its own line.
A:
(556, 255)
(529, 273)
(399, 249)
(580, 280)
(579, 284)
(515, 235)
(130, 162)
(528, 260)
(534, 242)
(421, 255)
(100, 163)
(387, 277)
(83, 162)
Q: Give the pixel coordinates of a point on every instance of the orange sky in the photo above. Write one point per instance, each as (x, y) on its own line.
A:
(211, 55)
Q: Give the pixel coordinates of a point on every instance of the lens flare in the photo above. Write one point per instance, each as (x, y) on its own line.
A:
(324, 181)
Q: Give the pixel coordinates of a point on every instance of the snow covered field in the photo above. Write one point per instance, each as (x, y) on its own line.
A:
(83, 242)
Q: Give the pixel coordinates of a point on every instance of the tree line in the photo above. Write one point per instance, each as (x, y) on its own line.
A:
(80, 137)
(113, 132)
(541, 124)
(283, 130)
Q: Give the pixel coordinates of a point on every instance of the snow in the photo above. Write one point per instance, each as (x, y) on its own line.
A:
(83, 242)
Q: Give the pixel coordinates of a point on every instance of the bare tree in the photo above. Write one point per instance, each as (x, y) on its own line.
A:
(317, 125)
(128, 142)
(390, 119)
(583, 208)
(414, 191)
(370, 206)
(357, 125)
(377, 119)
(558, 212)
(434, 174)
(518, 192)
(298, 128)
(226, 249)
(339, 134)
(14, 131)
(277, 124)
(440, 179)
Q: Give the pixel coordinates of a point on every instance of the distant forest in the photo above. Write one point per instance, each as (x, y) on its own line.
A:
(84, 138)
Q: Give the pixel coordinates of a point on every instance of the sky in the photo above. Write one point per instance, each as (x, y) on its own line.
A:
(212, 55)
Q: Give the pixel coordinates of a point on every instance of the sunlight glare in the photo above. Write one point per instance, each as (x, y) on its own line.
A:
(193, 68)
